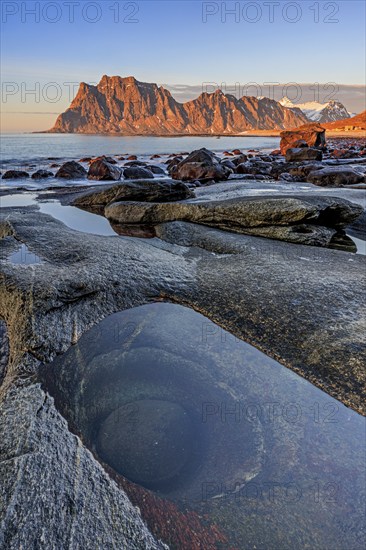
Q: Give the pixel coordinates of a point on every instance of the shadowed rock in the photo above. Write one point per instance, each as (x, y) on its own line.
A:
(42, 174)
(15, 174)
(144, 191)
(102, 169)
(300, 154)
(71, 170)
(335, 176)
(137, 173)
(279, 218)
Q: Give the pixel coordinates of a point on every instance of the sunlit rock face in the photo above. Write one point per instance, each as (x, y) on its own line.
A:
(164, 397)
(125, 105)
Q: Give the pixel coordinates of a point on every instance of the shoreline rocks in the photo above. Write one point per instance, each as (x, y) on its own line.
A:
(146, 191)
(71, 170)
(101, 169)
(280, 218)
(312, 134)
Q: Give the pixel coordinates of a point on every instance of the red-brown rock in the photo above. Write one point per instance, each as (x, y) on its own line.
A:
(313, 134)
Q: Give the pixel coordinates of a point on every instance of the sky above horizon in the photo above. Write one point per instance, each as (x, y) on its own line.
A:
(49, 47)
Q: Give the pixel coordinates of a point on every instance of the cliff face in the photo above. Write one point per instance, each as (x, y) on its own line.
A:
(127, 106)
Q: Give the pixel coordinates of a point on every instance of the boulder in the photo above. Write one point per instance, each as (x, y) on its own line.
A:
(239, 215)
(239, 159)
(144, 191)
(71, 170)
(301, 171)
(335, 176)
(312, 134)
(103, 157)
(229, 164)
(300, 154)
(201, 155)
(103, 170)
(300, 143)
(15, 174)
(255, 167)
(172, 162)
(135, 163)
(201, 165)
(42, 174)
(137, 173)
(156, 169)
(201, 171)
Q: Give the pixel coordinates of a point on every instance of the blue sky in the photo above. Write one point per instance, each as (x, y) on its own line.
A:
(171, 44)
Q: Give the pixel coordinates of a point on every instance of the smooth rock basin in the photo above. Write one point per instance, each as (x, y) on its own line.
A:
(149, 441)
(171, 401)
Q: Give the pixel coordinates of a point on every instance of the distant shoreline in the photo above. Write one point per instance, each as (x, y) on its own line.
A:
(358, 134)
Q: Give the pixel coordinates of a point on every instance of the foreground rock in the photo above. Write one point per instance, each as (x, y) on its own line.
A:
(144, 191)
(294, 219)
(271, 294)
(102, 169)
(15, 174)
(71, 170)
(312, 134)
(335, 176)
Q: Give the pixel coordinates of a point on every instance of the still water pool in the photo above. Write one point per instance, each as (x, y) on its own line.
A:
(217, 443)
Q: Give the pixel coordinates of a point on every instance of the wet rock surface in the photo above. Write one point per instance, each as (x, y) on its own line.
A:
(15, 174)
(137, 172)
(302, 305)
(303, 153)
(146, 191)
(281, 217)
(334, 176)
(71, 170)
(102, 169)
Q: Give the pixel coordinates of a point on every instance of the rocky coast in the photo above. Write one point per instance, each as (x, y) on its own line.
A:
(259, 244)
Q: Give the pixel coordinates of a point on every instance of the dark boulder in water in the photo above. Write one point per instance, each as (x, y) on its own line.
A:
(42, 174)
(102, 169)
(335, 176)
(15, 174)
(299, 154)
(137, 173)
(71, 170)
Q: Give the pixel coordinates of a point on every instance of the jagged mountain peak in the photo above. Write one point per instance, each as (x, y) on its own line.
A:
(315, 111)
(123, 105)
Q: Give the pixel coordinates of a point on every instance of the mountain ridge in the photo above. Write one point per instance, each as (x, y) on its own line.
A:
(315, 111)
(126, 106)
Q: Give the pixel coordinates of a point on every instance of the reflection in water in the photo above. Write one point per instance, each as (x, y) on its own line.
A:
(77, 219)
(24, 256)
(73, 217)
(218, 430)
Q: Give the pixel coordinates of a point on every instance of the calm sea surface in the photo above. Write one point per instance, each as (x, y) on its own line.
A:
(25, 147)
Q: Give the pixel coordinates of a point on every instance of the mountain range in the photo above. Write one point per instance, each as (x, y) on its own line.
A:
(126, 106)
(319, 112)
(129, 107)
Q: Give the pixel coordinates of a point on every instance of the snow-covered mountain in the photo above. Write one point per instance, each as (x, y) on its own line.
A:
(319, 112)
